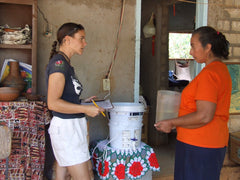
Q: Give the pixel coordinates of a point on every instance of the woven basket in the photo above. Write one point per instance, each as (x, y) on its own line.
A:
(5, 142)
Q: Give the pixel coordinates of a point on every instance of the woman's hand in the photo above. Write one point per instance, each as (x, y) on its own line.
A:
(165, 126)
(92, 111)
(204, 115)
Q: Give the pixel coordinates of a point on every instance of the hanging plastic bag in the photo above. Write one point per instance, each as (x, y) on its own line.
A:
(149, 29)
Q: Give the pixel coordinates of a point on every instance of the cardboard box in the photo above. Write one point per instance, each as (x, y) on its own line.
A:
(234, 147)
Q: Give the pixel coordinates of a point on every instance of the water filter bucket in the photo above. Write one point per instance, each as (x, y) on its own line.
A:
(168, 103)
(125, 125)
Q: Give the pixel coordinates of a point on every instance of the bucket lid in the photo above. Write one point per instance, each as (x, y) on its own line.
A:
(127, 107)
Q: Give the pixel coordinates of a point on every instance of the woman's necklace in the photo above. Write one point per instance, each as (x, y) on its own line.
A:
(65, 56)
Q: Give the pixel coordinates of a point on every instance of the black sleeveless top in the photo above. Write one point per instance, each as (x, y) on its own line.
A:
(73, 87)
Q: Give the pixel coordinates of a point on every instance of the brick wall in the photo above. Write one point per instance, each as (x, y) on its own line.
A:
(224, 15)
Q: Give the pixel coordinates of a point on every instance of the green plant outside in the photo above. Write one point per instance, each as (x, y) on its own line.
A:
(179, 46)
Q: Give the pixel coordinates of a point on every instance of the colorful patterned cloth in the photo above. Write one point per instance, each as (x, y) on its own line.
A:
(117, 164)
(27, 121)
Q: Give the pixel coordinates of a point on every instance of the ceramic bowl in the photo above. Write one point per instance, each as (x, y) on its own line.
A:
(9, 93)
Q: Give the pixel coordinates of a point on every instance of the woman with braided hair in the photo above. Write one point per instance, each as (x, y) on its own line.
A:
(202, 130)
(68, 127)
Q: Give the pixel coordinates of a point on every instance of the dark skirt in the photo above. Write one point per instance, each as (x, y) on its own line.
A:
(197, 163)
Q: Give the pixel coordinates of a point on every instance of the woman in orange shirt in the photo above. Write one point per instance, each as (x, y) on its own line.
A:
(202, 131)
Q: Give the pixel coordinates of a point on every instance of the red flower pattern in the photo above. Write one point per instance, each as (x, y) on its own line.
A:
(132, 166)
(60, 62)
(153, 160)
(136, 169)
(94, 160)
(103, 170)
(120, 171)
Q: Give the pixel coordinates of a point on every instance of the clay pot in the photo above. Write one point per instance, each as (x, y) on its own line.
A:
(14, 78)
(9, 93)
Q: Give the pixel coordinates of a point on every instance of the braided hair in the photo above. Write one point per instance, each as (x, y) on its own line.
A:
(67, 29)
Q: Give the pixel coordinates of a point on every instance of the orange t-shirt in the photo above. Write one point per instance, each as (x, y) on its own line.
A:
(212, 84)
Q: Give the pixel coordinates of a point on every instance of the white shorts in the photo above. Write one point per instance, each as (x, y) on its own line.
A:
(69, 140)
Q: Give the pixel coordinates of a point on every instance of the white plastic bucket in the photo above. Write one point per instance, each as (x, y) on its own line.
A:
(168, 103)
(125, 125)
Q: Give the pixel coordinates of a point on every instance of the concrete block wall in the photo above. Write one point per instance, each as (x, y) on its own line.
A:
(224, 15)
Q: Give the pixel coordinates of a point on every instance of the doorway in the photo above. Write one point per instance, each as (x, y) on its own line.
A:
(170, 16)
(154, 65)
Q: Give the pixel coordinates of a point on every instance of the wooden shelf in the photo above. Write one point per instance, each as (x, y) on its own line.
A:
(25, 2)
(19, 13)
(16, 46)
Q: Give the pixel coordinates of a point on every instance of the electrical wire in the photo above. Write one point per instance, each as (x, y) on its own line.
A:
(117, 43)
(48, 31)
(45, 19)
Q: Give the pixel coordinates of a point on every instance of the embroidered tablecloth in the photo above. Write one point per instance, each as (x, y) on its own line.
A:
(113, 163)
(27, 121)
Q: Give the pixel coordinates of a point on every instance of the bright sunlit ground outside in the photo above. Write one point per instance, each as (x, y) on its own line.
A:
(179, 46)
